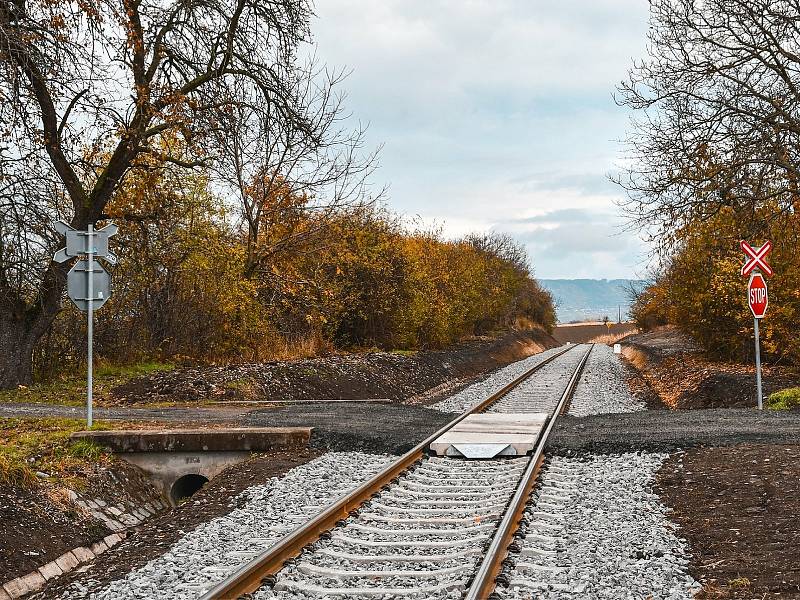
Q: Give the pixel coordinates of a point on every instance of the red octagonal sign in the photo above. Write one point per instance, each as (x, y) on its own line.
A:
(757, 295)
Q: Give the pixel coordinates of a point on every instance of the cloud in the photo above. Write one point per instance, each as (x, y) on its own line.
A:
(494, 110)
(584, 241)
(557, 217)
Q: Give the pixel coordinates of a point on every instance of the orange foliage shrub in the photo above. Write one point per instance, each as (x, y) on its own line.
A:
(190, 287)
(703, 292)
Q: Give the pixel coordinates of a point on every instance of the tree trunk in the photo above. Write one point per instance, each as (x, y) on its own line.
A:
(16, 352)
(21, 326)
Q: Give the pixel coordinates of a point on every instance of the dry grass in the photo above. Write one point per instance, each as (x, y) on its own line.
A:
(636, 357)
(30, 445)
(609, 338)
(282, 349)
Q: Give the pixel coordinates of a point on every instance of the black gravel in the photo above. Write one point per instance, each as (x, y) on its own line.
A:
(668, 430)
(181, 414)
(396, 428)
(346, 426)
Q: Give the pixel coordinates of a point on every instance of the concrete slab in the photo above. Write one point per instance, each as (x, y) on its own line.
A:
(15, 588)
(480, 450)
(239, 439)
(50, 570)
(98, 548)
(491, 434)
(83, 554)
(34, 581)
(67, 562)
(170, 455)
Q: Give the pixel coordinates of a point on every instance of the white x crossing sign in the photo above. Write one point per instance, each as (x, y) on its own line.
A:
(756, 259)
(88, 283)
(79, 242)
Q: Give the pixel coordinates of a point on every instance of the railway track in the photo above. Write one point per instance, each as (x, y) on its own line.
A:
(426, 526)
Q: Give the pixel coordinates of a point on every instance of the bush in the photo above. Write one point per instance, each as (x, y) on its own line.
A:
(702, 292)
(784, 399)
(186, 289)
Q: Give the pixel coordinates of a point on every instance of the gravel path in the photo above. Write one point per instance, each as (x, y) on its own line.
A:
(210, 552)
(468, 397)
(596, 530)
(602, 387)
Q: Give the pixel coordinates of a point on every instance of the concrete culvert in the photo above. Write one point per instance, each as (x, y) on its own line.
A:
(186, 486)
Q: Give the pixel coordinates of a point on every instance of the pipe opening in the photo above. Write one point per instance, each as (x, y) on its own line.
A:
(186, 486)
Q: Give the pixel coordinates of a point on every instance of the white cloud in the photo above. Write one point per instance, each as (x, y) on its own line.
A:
(493, 111)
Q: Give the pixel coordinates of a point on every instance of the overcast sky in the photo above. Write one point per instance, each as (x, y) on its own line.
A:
(497, 114)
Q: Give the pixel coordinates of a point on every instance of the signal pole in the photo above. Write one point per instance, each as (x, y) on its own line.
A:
(756, 267)
(90, 323)
(758, 367)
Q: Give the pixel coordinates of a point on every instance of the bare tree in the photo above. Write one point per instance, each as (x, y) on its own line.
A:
(86, 88)
(716, 120)
(288, 180)
(502, 246)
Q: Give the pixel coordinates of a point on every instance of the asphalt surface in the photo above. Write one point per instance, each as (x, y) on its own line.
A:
(389, 428)
(667, 430)
(396, 428)
(340, 426)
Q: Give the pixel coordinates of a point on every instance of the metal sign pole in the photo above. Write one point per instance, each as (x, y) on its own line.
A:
(758, 366)
(90, 323)
(86, 246)
(757, 295)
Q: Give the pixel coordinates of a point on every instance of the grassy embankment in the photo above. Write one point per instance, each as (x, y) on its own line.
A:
(70, 390)
(39, 449)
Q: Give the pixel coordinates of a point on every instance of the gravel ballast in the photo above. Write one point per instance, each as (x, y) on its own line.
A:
(595, 529)
(603, 386)
(211, 551)
(469, 396)
(421, 538)
(541, 392)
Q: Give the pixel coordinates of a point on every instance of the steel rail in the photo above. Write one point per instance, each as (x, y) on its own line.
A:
(250, 576)
(483, 583)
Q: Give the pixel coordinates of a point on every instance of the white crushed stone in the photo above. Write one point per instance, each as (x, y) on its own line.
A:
(541, 392)
(597, 530)
(428, 506)
(207, 554)
(603, 387)
(469, 396)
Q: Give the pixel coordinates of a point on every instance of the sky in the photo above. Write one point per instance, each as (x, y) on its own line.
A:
(498, 115)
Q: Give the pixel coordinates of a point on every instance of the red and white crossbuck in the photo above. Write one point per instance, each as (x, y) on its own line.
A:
(756, 259)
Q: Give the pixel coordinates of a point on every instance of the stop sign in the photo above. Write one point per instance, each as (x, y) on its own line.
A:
(757, 295)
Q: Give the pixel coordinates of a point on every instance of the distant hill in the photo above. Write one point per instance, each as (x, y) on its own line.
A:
(582, 299)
